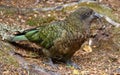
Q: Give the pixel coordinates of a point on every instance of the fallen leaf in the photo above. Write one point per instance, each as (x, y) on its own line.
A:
(84, 72)
(75, 72)
(6, 72)
(87, 48)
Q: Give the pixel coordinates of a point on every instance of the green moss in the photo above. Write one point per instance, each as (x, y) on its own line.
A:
(9, 12)
(7, 59)
(4, 55)
(116, 30)
(32, 22)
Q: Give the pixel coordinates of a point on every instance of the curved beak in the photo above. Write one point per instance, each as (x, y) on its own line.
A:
(96, 15)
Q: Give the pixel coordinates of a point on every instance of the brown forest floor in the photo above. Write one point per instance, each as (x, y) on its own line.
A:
(102, 61)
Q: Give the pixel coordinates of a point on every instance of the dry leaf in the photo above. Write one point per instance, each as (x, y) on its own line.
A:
(6, 72)
(87, 48)
(75, 72)
(84, 72)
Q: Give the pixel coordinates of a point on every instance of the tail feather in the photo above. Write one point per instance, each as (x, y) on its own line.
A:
(17, 38)
(22, 36)
(25, 31)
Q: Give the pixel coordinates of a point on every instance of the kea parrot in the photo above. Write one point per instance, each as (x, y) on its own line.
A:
(61, 39)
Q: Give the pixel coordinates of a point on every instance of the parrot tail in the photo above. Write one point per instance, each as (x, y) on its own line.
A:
(17, 38)
(21, 36)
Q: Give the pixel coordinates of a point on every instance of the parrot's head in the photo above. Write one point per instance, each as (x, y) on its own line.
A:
(86, 14)
(82, 18)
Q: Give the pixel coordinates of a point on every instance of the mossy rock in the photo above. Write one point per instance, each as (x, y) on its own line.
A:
(5, 57)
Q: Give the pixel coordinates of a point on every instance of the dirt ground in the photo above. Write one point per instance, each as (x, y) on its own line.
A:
(103, 60)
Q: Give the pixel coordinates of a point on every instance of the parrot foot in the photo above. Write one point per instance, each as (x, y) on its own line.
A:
(50, 63)
(71, 63)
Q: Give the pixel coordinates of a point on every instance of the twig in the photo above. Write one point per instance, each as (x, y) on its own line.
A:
(109, 20)
(61, 7)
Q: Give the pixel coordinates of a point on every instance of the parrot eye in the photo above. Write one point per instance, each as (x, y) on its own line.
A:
(87, 14)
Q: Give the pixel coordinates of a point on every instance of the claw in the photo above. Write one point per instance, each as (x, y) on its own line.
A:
(50, 63)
